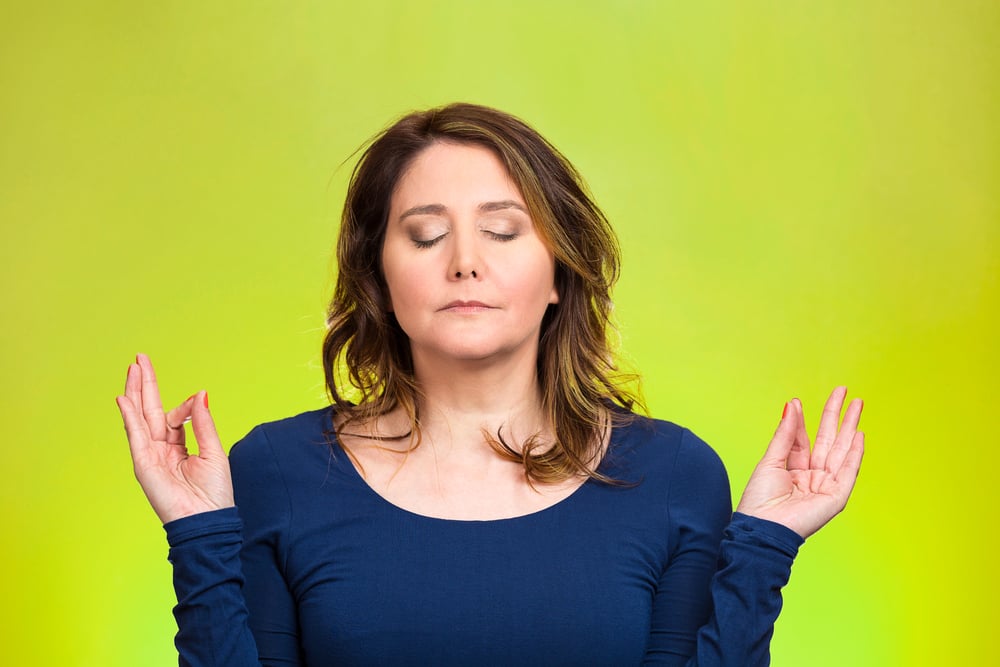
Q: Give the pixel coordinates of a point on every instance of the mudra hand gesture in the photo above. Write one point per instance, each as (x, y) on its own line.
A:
(804, 489)
(176, 483)
(793, 485)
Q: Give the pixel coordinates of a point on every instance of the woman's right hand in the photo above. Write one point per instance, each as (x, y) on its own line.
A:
(176, 483)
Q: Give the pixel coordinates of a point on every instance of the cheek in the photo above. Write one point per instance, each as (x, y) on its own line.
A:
(405, 283)
(533, 277)
(393, 275)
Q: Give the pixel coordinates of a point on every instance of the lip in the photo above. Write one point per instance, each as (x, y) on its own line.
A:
(459, 306)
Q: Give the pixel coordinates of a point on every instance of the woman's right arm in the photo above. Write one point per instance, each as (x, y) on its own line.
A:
(193, 496)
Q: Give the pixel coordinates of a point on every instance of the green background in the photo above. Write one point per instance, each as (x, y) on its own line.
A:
(806, 195)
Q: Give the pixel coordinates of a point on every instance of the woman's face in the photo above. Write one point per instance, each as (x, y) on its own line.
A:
(468, 276)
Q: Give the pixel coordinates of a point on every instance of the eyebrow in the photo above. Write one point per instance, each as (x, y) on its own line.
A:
(427, 209)
(490, 206)
(440, 209)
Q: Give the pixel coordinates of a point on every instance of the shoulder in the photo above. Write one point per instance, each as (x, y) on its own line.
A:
(663, 455)
(677, 466)
(282, 450)
(314, 426)
(275, 459)
(657, 441)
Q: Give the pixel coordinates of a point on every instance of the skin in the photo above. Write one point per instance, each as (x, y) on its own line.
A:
(801, 486)
(176, 482)
(469, 280)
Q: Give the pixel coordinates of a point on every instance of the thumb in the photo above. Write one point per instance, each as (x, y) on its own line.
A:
(203, 426)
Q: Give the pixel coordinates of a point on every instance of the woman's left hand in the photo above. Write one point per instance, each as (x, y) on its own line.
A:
(802, 487)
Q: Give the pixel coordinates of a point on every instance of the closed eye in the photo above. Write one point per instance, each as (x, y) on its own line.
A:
(497, 236)
(429, 242)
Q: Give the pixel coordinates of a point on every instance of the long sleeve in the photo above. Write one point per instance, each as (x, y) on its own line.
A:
(719, 596)
(316, 568)
(211, 613)
(755, 563)
(262, 496)
(225, 619)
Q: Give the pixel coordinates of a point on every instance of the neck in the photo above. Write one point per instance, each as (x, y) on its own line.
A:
(461, 398)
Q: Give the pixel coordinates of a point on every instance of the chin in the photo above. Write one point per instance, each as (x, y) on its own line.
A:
(472, 352)
(476, 353)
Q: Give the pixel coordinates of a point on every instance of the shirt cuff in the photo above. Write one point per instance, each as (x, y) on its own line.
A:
(215, 522)
(765, 533)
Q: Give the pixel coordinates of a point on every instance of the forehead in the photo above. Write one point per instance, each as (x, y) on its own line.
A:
(454, 174)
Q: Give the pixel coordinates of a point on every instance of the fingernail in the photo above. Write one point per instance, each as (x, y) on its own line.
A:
(189, 397)
(206, 399)
(784, 413)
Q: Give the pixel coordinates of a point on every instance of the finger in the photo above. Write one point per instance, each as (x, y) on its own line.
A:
(798, 458)
(827, 431)
(847, 475)
(784, 439)
(845, 437)
(852, 417)
(135, 429)
(175, 420)
(204, 428)
(152, 408)
(133, 386)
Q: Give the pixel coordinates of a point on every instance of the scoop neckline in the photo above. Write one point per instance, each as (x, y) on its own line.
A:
(378, 497)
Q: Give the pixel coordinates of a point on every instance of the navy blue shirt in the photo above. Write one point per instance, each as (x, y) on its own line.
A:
(315, 568)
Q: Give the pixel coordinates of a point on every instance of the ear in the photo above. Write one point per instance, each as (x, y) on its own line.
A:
(558, 276)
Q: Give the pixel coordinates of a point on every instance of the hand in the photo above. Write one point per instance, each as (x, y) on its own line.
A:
(800, 489)
(176, 483)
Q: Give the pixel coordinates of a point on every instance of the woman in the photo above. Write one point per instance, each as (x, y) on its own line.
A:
(481, 491)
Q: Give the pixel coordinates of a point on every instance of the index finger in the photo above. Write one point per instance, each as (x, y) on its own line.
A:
(798, 458)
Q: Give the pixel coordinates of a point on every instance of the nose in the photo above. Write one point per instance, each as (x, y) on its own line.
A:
(465, 260)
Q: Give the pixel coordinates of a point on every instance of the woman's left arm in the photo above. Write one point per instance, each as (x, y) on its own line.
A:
(792, 493)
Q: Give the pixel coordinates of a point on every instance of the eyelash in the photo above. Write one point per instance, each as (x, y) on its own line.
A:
(427, 244)
(503, 238)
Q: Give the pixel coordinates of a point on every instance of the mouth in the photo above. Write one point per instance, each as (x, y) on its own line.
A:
(466, 307)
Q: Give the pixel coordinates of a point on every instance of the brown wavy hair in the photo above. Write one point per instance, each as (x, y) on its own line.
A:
(366, 355)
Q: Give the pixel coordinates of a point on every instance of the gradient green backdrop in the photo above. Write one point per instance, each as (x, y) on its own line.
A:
(806, 195)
